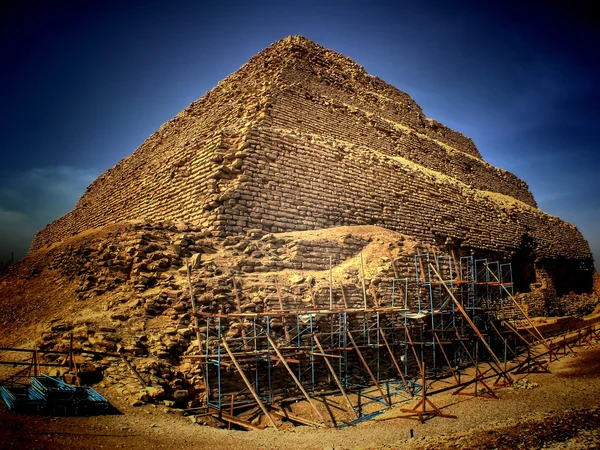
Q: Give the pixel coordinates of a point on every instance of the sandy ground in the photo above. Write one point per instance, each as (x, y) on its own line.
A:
(562, 412)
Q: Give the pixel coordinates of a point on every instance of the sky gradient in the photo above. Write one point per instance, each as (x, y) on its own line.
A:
(84, 85)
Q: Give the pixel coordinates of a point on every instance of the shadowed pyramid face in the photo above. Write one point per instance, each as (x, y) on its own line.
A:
(303, 138)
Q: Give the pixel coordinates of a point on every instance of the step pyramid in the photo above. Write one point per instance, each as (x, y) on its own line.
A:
(303, 138)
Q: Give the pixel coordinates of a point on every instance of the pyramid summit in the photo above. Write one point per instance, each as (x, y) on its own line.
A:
(303, 138)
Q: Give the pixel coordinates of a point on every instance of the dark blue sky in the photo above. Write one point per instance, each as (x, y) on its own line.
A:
(82, 86)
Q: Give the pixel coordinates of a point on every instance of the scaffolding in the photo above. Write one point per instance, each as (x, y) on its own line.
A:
(441, 320)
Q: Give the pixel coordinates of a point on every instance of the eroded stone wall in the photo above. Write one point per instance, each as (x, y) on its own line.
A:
(324, 117)
(296, 182)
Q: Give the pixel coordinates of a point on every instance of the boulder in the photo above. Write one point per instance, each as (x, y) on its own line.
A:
(196, 261)
(155, 392)
(180, 394)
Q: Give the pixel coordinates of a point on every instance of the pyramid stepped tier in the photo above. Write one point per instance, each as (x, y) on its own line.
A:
(328, 95)
(303, 138)
(298, 181)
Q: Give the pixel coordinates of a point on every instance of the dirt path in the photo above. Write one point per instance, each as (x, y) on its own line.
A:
(561, 411)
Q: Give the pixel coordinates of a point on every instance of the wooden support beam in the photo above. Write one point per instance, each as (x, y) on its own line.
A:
(36, 362)
(231, 404)
(279, 298)
(422, 272)
(419, 411)
(238, 305)
(194, 312)
(234, 420)
(283, 414)
(71, 362)
(389, 253)
(374, 295)
(435, 257)
(520, 308)
(330, 284)
(364, 289)
(135, 372)
(395, 362)
(293, 375)
(321, 312)
(478, 379)
(366, 366)
(556, 348)
(453, 253)
(473, 361)
(248, 385)
(412, 346)
(471, 324)
(441, 347)
(344, 295)
(326, 355)
(288, 360)
(335, 377)
(511, 328)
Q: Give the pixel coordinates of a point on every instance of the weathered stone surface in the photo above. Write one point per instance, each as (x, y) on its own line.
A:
(180, 394)
(196, 261)
(155, 392)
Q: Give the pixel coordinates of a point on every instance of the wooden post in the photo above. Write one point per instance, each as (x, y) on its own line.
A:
(393, 264)
(230, 411)
(362, 271)
(312, 297)
(285, 327)
(446, 357)
(506, 346)
(453, 253)
(196, 326)
(135, 372)
(248, 385)
(238, 305)
(366, 366)
(470, 322)
(330, 285)
(420, 409)
(35, 362)
(422, 277)
(476, 366)
(344, 295)
(291, 372)
(395, 362)
(437, 262)
(478, 374)
(505, 355)
(520, 308)
(71, 352)
(412, 346)
(374, 295)
(334, 375)
(359, 402)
